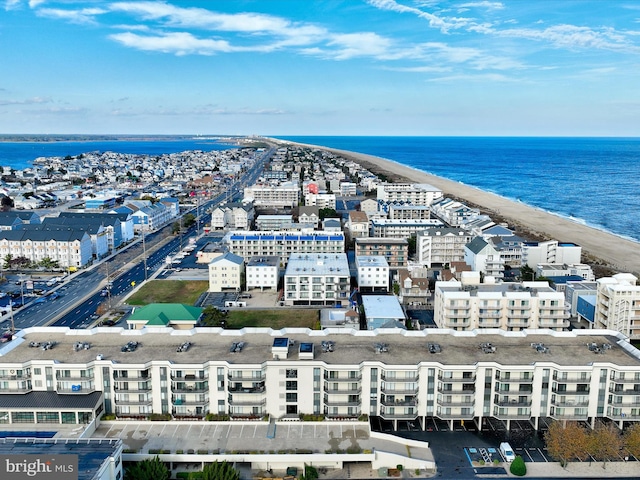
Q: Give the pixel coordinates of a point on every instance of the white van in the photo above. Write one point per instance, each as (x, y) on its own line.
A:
(507, 452)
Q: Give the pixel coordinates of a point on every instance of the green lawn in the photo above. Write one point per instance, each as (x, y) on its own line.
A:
(188, 291)
(169, 291)
(275, 319)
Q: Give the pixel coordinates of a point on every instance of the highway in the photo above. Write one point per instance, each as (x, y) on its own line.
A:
(78, 298)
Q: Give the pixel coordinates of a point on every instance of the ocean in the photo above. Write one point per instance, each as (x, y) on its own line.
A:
(594, 181)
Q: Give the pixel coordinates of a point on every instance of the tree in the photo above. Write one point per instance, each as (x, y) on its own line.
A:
(631, 440)
(327, 213)
(412, 243)
(7, 261)
(518, 467)
(605, 442)
(188, 220)
(48, 264)
(220, 471)
(212, 317)
(148, 469)
(568, 442)
(175, 228)
(527, 273)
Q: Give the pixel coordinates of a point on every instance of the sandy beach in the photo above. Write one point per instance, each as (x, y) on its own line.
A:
(620, 254)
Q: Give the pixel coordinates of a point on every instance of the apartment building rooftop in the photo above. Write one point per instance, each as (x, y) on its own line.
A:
(404, 348)
(528, 288)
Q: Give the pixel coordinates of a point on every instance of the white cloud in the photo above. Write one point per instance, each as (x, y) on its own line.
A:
(358, 45)
(573, 37)
(491, 77)
(483, 4)
(82, 16)
(28, 101)
(179, 43)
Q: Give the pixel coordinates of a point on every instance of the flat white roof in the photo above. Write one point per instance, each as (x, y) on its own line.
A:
(318, 264)
(382, 306)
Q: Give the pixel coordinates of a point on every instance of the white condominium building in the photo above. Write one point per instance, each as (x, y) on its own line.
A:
(320, 200)
(249, 244)
(441, 245)
(373, 273)
(414, 193)
(618, 304)
(386, 228)
(283, 195)
(317, 279)
(408, 212)
(551, 251)
(508, 306)
(263, 272)
(539, 376)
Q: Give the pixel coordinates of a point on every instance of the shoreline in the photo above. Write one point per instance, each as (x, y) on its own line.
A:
(618, 253)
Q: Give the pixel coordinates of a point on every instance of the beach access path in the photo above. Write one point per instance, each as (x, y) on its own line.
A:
(619, 253)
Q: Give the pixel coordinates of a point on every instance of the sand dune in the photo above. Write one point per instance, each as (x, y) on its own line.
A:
(619, 253)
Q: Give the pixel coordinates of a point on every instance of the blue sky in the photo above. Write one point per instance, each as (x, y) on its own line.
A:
(330, 67)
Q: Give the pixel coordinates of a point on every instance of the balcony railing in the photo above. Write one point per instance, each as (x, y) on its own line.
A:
(444, 379)
(398, 416)
(568, 403)
(13, 376)
(456, 392)
(399, 403)
(241, 390)
(399, 391)
(585, 379)
(329, 402)
(514, 379)
(132, 389)
(131, 401)
(73, 377)
(569, 416)
(514, 403)
(238, 377)
(189, 378)
(512, 415)
(626, 380)
(245, 402)
(454, 416)
(456, 403)
(197, 388)
(132, 377)
(624, 392)
(343, 391)
(189, 401)
(409, 378)
(572, 392)
(515, 322)
(355, 414)
(342, 379)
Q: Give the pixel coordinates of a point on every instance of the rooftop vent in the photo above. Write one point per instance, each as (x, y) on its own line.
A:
(81, 346)
(381, 347)
(434, 348)
(595, 348)
(540, 348)
(327, 346)
(184, 347)
(488, 347)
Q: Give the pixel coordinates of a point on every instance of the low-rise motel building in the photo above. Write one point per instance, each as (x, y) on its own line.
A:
(54, 375)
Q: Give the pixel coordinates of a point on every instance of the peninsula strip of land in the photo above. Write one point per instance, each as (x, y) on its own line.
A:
(619, 253)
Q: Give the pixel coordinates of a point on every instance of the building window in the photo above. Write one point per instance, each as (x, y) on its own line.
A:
(292, 385)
